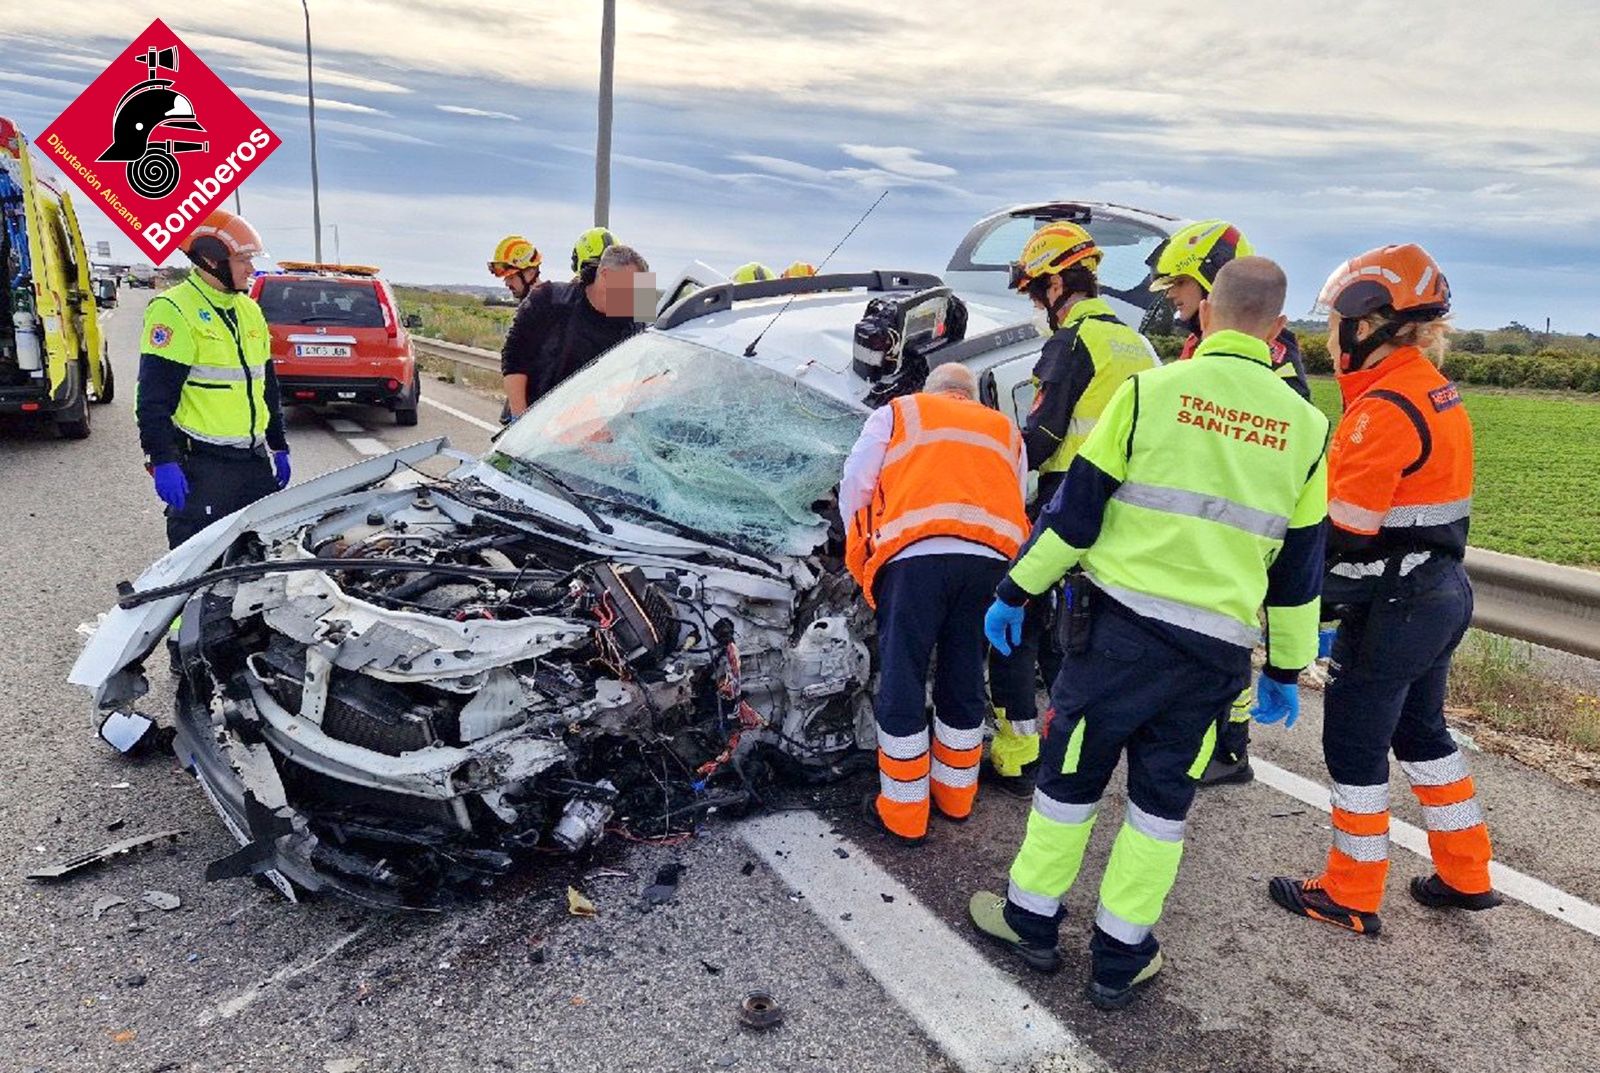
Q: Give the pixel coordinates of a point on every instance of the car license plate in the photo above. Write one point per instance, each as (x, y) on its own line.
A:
(345, 394)
(321, 350)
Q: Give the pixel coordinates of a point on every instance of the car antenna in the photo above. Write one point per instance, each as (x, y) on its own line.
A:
(750, 351)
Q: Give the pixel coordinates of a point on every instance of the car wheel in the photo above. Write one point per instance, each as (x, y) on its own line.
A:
(406, 416)
(73, 421)
(108, 384)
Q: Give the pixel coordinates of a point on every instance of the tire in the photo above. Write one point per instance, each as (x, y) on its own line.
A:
(108, 384)
(73, 421)
(406, 416)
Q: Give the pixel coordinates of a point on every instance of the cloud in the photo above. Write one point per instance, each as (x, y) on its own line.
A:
(898, 160)
(300, 100)
(456, 109)
(42, 81)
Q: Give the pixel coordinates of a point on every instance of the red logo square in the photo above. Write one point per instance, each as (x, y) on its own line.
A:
(157, 141)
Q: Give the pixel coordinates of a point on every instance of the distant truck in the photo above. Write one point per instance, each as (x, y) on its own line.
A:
(53, 359)
(142, 276)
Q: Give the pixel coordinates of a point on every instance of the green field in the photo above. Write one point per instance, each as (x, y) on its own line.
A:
(1538, 472)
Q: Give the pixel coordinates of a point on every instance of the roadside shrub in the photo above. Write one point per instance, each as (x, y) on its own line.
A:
(1314, 348)
(1168, 347)
(1470, 343)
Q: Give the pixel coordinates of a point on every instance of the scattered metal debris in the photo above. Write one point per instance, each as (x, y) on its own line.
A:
(343, 1065)
(760, 1011)
(578, 905)
(162, 900)
(107, 902)
(665, 888)
(67, 867)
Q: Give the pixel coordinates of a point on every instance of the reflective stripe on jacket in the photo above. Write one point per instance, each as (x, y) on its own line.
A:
(1117, 352)
(223, 339)
(950, 470)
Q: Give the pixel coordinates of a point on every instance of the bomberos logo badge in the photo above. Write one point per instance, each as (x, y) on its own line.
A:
(158, 141)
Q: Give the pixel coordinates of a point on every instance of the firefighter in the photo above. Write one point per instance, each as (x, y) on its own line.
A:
(1088, 354)
(1185, 266)
(933, 492)
(1400, 501)
(799, 269)
(752, 272)
(1198, 497)
(209, 415)
(516, 263)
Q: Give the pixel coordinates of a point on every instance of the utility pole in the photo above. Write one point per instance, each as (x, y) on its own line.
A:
(602, 150)
(311, 113)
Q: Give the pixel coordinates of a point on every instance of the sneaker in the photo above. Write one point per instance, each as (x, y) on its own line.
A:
(1435, 893)
(988, 912)
(869, 812)
(1220, 772)
(1016, 785)
(1110, 998)
(1307, 898)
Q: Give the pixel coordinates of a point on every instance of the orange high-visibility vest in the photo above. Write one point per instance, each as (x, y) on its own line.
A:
(950, 470)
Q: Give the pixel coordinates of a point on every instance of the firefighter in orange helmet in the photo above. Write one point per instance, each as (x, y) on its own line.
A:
(1400, 500)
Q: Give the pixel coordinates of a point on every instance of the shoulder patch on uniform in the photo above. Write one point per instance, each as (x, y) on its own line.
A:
(160, 335)
(1443, 398)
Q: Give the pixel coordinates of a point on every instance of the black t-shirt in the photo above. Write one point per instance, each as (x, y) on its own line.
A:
(555, 333)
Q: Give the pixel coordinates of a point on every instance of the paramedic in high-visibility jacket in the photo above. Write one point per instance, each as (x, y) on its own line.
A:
(1399, 500)
(1199, 497)
(210, 421)
(932, 494)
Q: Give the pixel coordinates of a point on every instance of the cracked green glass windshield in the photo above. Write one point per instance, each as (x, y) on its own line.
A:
(660, 426)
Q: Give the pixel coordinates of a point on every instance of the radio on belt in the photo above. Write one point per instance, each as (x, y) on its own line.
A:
(898, 323)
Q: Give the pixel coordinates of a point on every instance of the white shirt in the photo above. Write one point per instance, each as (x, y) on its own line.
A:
(860, 480)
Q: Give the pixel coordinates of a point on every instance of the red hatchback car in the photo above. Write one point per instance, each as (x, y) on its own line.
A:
(337, 337)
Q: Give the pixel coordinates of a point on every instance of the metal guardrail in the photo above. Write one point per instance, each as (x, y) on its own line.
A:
(470, 356)
(1554, 606)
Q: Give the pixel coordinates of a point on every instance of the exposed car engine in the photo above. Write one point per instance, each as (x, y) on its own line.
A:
(419, 686)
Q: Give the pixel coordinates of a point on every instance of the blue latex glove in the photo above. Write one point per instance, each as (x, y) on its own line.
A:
(171, 485)
(1002, 625)
(1325, 638)
(1276, 702)
(280, 467)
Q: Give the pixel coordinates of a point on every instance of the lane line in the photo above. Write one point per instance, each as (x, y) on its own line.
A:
(974, 1013)
(224, 1011)
(487, 426)
(344, 424)
(368, 446)
(1552, 901)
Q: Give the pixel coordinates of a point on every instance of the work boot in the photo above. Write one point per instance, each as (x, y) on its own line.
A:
(869, 812)
(1435, 893)
(1221, 771)
(1307, 898)
(988, 912)
(1112, 998)
(1020, 785)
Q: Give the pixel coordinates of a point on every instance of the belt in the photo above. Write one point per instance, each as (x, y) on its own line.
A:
(190, 446)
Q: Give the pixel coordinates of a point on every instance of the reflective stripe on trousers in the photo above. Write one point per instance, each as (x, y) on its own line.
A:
(1052, 853)
(1142, 869)
(1458, 837)
(1358, 861)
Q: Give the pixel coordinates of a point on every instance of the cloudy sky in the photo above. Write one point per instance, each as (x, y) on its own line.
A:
(761, 129)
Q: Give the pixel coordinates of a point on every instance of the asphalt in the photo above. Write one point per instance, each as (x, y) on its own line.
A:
(235, 979)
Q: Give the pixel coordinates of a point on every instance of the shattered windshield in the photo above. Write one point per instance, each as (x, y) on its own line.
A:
(665, 431)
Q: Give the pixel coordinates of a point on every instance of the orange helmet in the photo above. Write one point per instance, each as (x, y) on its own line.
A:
(1405, 279)
(233, 232)
(798, 269)
(1051, 250)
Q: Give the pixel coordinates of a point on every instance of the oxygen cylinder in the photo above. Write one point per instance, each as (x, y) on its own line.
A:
(30, 352)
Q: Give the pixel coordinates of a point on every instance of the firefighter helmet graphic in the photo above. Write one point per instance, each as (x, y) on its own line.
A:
(152, 166)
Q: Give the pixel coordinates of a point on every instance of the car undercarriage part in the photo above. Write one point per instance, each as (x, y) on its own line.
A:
(63, 869)
(495, 690)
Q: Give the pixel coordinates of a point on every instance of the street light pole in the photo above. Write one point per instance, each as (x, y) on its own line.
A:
(311, 112)
(602, 151)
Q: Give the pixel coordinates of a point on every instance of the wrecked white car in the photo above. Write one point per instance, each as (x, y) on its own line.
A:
(630, 612)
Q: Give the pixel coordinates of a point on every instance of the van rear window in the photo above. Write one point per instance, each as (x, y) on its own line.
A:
(330, 302)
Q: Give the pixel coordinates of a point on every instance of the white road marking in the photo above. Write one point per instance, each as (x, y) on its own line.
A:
(239, 1003)
(1536, 893)
(368, 446)
(974, 1013)
(344, 424)
(487, 426)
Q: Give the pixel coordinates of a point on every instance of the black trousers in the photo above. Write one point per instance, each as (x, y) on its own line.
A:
(221, 481)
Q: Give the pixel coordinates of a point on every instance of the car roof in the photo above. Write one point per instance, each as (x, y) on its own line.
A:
(812, 337)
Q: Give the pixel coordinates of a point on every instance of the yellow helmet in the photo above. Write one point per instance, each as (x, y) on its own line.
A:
(751, 272)
(513, 254)
(799, 268)
(590, 245)
(1051, 250)
(1198, 251)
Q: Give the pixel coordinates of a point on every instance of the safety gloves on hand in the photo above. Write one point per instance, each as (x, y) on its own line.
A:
(171, 485)
(1325, 638)
(1002, 625)
(1276, 702)
(280, 467)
